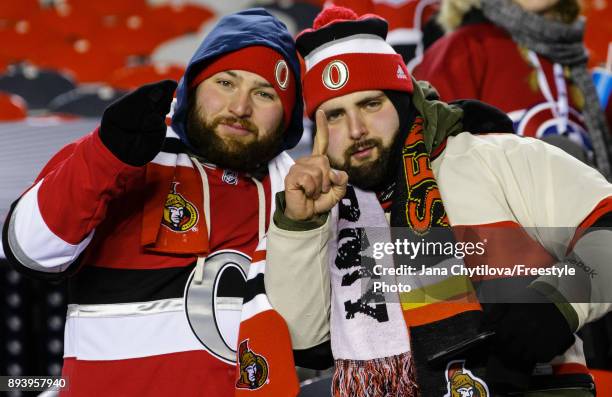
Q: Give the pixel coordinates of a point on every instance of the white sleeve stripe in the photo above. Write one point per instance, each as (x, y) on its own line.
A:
(33, 244)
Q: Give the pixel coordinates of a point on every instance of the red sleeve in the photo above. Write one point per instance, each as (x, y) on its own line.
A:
(77, 184)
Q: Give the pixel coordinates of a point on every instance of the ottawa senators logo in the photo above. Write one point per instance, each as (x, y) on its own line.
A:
(335, 75)
(282, 74)
(253, 368)
(180, 215)
(460, 382)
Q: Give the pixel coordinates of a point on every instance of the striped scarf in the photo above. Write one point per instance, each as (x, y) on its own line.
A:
(264, 365)
(443, 310)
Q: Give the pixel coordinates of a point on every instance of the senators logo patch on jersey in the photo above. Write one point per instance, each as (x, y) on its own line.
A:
(180, 215)
(253, 368)
(460, 382)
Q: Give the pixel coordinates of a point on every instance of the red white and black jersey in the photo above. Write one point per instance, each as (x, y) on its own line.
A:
(481, 61)
(127, 333)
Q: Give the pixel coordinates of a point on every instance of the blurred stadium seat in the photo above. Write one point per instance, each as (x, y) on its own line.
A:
(109, 7)
(12, 107)
(178, 50)
(85, 101)
(598, 33)
(85, 60)
(22, 38)
(36, 86)
(132, 35)
(181, 18)
(132, 77)
(15, 10)
(68, 22)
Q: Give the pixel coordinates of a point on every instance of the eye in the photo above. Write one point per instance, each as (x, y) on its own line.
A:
(225, 83)
(334, 115)
(265, 95)
(373, 105)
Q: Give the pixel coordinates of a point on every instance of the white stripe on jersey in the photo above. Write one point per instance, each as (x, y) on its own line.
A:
(41, 250)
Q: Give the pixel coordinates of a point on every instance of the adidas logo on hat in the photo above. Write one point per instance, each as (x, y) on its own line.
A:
(400, 73)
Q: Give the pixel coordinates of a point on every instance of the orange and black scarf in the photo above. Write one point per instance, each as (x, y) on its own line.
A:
(445, 312)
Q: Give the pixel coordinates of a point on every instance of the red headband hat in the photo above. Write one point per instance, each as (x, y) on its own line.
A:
(345, 53)
(260, 60)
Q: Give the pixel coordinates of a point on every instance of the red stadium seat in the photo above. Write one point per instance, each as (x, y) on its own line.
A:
(86, 61)
(131, 35)
(129, 78)
(181, 18)
(23, 38)
(16, 10)
(12, 107)
(598, 33)
(67, 21)
(110, 7)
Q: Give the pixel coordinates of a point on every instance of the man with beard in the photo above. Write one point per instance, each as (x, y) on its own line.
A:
(412, 165)
(143, 219)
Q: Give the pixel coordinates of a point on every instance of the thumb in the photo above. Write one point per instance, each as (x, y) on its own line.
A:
(339, 180)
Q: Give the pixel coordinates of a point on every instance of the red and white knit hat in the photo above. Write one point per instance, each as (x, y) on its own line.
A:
(345, 53)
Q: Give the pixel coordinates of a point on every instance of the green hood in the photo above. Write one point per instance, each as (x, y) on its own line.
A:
(441, 120)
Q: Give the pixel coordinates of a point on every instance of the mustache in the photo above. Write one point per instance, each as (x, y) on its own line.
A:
(244, 123)
(359, 146)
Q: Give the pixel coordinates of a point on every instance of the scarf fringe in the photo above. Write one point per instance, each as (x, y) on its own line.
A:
(383, 377)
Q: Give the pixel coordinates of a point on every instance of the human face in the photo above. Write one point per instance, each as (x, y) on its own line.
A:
(251, 371)
(235, 120)
(537, 6)
(176, 214)
(362, 127)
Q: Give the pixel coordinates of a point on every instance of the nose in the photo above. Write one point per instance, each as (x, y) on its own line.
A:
(357, 127)
(240, 104)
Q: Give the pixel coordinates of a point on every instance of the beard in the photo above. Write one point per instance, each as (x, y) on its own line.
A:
(370, 174)
(245, 155)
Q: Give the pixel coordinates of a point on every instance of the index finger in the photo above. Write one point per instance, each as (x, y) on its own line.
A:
(321, 138)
